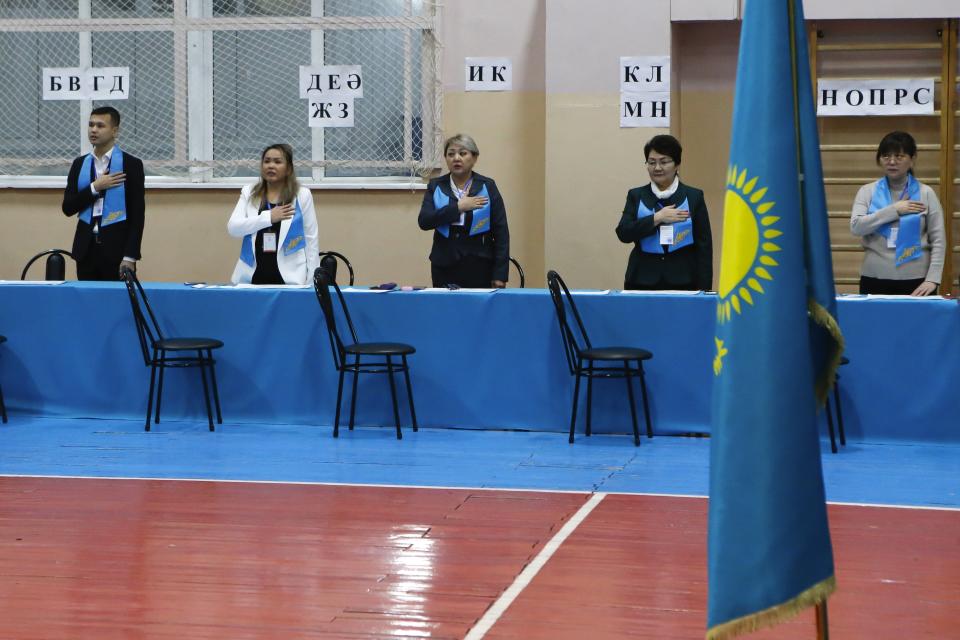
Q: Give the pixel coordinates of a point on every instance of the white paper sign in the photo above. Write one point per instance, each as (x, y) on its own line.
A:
(488, 74)
(108, 83)
(646, 109)
(644, 91)
(330, 113)
(645, 73)
(886, 97)
(331, 82)
(76, 83)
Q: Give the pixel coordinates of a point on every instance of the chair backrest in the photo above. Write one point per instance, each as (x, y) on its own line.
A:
(328, 260)
(148, 331)
(322, 281)
(56, 265)
(561, 297)
(523, 279)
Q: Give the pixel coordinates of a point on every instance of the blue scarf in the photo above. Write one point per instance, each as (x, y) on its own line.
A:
(114, 199)
(682, 231)
(294, 242)
(908, 238)
(481, 216)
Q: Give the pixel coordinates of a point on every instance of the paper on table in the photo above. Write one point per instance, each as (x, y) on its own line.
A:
(887, 296)
(272, 286)
(6, 282)
(673, 292)
(590, 292)
(367, 290)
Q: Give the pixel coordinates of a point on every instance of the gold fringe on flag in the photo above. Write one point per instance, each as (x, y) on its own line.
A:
(815, 595)
(825, 379)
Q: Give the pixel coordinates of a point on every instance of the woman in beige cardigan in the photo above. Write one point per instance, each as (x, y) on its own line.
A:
(900, 224)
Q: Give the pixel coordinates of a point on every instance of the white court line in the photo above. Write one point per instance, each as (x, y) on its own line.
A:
(496, 610)
(879, 505)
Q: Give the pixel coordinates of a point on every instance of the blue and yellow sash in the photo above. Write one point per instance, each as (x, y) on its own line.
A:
(481, 216)
(908, 238)
(293, 243)
(682, 231)
(115, 198)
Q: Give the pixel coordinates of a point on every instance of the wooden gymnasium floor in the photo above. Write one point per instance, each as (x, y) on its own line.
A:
(266, 540)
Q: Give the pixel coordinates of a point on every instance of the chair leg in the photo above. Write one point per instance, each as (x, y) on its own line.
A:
(833, 439)
(353, 396)
(336, 416)
(156, 417)
(393, 396)
(3, 408)
(153, 375)
(406, 376)
(836, 397)
(628, 374)
(589, 430)
(576, 395)
(646, 403)
(213, 380)
(206, 390)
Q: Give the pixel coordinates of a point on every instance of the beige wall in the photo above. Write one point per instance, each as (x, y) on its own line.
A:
(553, 144)
(590, 161)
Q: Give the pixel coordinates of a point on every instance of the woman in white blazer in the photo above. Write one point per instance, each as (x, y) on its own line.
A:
(278, 224)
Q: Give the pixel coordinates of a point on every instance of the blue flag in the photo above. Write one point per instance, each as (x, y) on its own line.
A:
(777, 341)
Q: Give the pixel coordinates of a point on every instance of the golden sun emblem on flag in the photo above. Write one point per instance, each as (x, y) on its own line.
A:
(748, 243)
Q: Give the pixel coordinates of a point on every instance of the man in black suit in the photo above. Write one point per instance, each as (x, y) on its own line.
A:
(106, 189)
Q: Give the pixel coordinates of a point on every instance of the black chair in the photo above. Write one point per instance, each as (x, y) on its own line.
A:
(3, 407)
(160, 353)
(523, 279)
(328, 260)
(384, 354)
(56, 267)
(583, 360)
(836, 399)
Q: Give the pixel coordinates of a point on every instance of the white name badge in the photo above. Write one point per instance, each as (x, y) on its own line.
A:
(666, 234)
(892, 240)
(270, 242)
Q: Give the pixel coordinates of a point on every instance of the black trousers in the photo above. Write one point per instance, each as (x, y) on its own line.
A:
(99, 264)
(882, 286)
(471, 272)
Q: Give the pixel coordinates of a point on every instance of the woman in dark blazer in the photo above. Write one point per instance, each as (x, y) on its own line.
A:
(471, 241)
(668, 223)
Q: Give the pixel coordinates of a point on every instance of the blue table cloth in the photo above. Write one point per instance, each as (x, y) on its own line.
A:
(484, 360)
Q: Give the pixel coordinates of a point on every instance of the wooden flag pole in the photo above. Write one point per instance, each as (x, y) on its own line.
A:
(823, 628)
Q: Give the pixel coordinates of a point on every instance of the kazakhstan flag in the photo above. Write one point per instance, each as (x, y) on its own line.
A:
(777, 341)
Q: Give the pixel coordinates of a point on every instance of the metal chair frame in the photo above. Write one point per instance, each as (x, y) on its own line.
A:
(581, 360)
(322, 281)
(48, 252)
(523, 278)
(3, 407)
(155, 347)
(836, 400)
(343, 258)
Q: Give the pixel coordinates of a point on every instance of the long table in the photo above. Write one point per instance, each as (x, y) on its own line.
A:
(484, 360)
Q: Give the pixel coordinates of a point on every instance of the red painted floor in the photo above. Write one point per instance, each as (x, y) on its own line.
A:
(636, 568)
(201, 560)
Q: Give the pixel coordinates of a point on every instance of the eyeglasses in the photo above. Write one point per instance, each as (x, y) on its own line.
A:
(663, 164)
(896, 157)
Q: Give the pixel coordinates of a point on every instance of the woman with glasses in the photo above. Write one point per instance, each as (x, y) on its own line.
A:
(465, 211)
(276, 219)
(668, 223)
(900, 224)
